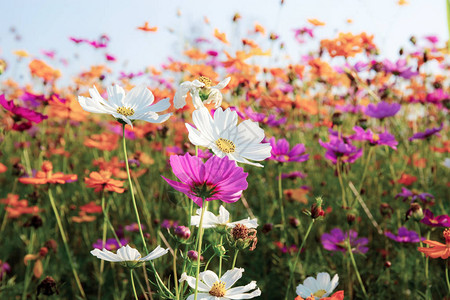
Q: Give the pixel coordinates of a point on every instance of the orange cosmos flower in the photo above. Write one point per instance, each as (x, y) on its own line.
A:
(407, 179)
(260, 29)
(3, 168)
(316, 22)
(91, 208)
(102, 181)
(437, 249)
(40, 69)
(15, 207)
(221, 36)
(104, 141)
(47, 176)
(83, 218)
(147, 29)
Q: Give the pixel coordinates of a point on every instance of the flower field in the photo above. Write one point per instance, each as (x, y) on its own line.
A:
(213, 176)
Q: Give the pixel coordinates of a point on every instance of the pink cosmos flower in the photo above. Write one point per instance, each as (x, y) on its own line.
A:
(281, 153)
(216, 179)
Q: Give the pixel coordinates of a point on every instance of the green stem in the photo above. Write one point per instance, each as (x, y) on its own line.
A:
(234, 258)
(131, 189)
(199, 247)
(338, 166)
(349, 248)
(446, 276)
(427, 291)
(297, 256)
(66, 245)
(28, 273)
(280, 199)
(220, 257)
(369, 156)
(102, 262)
(132, 285)
(175, 277)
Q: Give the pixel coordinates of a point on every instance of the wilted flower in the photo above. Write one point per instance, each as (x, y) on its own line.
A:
(200, 89)
(216, 179)
(211, 287)
(136, 105)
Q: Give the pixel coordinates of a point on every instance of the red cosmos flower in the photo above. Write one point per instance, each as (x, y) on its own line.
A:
(91, 208)
(407, 179)
(47, 176)
(103, 182)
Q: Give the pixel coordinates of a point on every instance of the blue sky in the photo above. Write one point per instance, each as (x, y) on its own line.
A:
(46, 25)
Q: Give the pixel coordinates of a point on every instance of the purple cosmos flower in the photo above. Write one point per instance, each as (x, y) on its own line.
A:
(337, 148)
(134, 227)
(400, 68)
(382, 110)
(269, 120)
(167, 224)
(438, 221)
(216, 179)
(21, 114)
(293, 175)
(384, 138)
(426, 134)
(205, 154)
(281, 153)
(336, 239)
(405, 194)
(4, 269)
(404, 236)
(110, 244)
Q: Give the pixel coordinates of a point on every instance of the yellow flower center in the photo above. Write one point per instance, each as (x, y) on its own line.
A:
(225, 145)
(320, 293)
(125, 111)
(375, 137)
(218, 289)
(206, 81)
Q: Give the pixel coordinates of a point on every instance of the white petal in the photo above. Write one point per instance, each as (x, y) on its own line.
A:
(224, 215)
(196, 137)
(209, 278)
(106, 255)
(303, 291)
(139, 97)
(222, 84)
(191, 282)
(231, 276)
(128, 254)
(116, 95)
(253, 223)
(158, 252)
(225, 122)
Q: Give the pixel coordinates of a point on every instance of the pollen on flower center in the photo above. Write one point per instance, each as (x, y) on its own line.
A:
(375, 137)
(225, 145)
(218, 289)
(206, 81)
(125, 111)
(320, 293)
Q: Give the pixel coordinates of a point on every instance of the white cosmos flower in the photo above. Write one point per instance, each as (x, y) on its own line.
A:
(210, 287)
(128, 256)
(223, 219)
(319, 288)
(136, 105)
(225, 138)
(200, 89)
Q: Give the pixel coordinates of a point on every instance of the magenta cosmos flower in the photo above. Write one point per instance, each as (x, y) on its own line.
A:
(426, 134)
(22, 116)
(382, 110)
(216, 179)
(438, 221)
(281, 153)
(384, 138)
(336, 239)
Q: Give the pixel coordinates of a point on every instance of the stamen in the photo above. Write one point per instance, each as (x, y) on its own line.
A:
(218, 289)
(206, 81)
(125, 111)
(225, 145)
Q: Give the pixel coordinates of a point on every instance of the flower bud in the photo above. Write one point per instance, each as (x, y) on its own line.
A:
(193, 255)
(386, 210)
(47, 287)
(415, 211)
(387, 264)
(47, 166)
(43, 251)
(351, 218)
(294, 222)
(336, 118)
(182, 232)
(267, 228)
(34, 221)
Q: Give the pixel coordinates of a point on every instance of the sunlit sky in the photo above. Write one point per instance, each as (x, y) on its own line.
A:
(47, 25)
